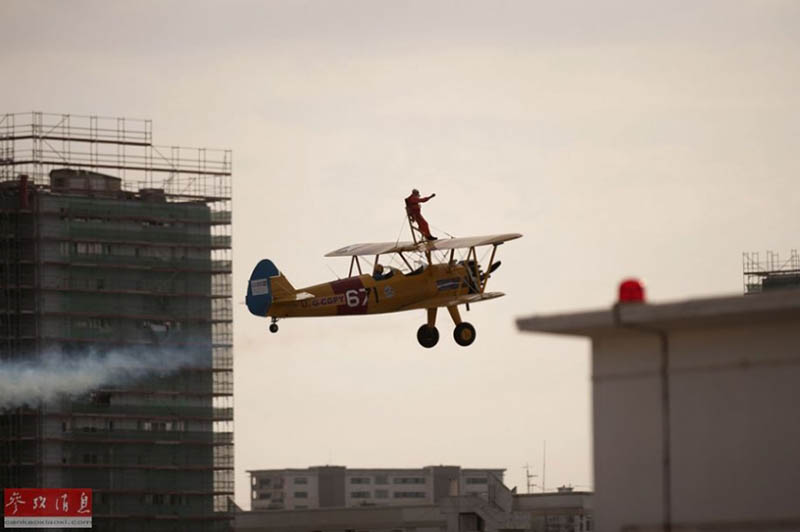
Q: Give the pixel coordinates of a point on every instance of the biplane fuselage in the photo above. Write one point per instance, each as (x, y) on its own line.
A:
(440, 282)
(364, 294)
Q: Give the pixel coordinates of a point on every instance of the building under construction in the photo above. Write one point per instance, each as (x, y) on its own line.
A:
(770, 272)
(111, 243)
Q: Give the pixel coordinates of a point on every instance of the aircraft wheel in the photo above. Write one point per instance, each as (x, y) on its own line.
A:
(427, 336)
(464, 334)
(273, 328)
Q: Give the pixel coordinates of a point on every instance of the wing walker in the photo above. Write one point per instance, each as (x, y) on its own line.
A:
(437, 279)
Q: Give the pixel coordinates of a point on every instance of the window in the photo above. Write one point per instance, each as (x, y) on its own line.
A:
(301, 480)
(265, 495)
(359, 480)
(125, 251)
(92, 248)
(359, 495)
(301, 495)
(381, 479)
(409, 480)
(477, 480)
(98, 324)
(409, 494)
(153, 426)
(264, 482)
(381, 494)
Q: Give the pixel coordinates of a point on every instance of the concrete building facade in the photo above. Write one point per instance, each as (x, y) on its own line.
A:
(562, 511)
(137, 265)
(695, 411)
(499, 509)
(338, 486)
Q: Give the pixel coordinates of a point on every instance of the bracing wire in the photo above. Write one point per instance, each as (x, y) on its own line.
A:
(440, 230)
(333, 271)
(400, 232)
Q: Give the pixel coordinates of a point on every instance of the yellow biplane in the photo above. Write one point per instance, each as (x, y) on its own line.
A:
(437, 279)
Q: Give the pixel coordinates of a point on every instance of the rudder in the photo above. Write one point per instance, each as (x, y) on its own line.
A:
(259, 290)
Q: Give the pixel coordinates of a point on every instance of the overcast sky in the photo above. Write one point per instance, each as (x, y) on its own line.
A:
(647, 138)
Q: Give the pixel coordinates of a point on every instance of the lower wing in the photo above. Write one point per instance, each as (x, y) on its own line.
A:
(450, 301)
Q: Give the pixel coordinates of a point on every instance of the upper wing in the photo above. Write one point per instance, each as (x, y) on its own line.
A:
(469, 241)
(378, 248)
(449, 301)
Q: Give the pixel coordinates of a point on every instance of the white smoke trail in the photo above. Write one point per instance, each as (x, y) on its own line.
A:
(51, 375)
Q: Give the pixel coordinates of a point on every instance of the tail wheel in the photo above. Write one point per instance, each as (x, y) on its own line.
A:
(427, 336)
(273, 328)
(464, 334)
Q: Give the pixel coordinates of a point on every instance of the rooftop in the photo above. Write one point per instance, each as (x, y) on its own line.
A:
(360, 470)
(726, 310)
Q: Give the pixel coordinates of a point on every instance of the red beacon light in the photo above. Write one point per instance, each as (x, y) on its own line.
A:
(631, 291)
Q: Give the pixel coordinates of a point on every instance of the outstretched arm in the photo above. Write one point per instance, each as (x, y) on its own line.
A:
(427, 198)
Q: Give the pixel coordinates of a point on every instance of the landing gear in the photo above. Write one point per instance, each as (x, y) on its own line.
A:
(464, 334)
(427, 336)
(273, 328)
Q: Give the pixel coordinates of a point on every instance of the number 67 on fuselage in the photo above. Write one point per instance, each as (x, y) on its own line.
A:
(439, 281)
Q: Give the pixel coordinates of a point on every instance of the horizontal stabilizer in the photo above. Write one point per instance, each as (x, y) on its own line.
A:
(282, 289)
(297, 296)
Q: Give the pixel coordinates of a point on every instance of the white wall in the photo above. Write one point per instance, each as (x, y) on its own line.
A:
(627, 431)
(735, 425)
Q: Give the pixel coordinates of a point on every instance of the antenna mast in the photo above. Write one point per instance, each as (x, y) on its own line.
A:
(544, 464)
(528, 477)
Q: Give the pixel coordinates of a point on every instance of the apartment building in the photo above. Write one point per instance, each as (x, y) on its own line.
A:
(338, 486)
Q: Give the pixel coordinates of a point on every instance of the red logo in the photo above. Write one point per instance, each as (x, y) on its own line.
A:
(47, 508)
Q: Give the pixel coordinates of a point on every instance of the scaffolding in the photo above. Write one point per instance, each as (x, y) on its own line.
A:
(109, 241)
(770, 273)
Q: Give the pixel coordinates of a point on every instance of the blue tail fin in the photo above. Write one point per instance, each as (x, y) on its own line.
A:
(259, 288)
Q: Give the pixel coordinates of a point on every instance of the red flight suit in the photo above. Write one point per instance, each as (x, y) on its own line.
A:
(413, 209)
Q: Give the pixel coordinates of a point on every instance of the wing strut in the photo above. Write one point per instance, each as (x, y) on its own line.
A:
(354, 261)
(405, 260)
(414, 229)
(475, 267)
(489, 268)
